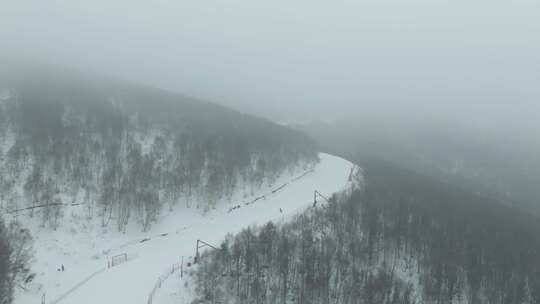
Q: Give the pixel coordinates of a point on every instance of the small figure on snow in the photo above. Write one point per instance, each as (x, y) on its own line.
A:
(63, 268)
(280, 210)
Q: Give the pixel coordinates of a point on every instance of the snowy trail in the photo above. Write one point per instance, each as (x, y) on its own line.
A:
(133, 281)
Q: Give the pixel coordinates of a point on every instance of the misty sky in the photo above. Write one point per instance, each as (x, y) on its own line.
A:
(299, 58)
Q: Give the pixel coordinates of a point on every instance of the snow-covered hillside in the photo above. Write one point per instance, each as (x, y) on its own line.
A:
(128, 152)
(85, 252)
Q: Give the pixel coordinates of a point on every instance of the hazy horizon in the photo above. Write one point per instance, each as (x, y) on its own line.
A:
(301, 60)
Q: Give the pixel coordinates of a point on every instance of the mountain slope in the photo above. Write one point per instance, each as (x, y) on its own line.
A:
(494, 159)
(126, 151)
(403, 238)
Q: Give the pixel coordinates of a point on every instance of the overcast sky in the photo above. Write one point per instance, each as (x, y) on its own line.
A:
(302, 58)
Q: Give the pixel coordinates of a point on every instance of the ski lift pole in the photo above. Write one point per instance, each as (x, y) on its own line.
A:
(182, 268)
(318, 194)
(201, 244)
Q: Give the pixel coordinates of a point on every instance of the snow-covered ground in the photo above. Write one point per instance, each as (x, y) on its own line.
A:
(85, 252)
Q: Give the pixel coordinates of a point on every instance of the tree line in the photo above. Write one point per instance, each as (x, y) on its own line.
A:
(403, 238)
(15, 255)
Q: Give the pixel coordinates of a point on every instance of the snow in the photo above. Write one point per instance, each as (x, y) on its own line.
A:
(84, 251)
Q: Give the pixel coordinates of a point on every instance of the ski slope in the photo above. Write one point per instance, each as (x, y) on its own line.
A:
(87, 280)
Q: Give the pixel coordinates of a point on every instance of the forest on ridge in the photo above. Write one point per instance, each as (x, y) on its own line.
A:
(126, 151)
(403, 238)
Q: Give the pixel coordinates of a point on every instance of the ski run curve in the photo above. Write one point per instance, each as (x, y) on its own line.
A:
(150, 255)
